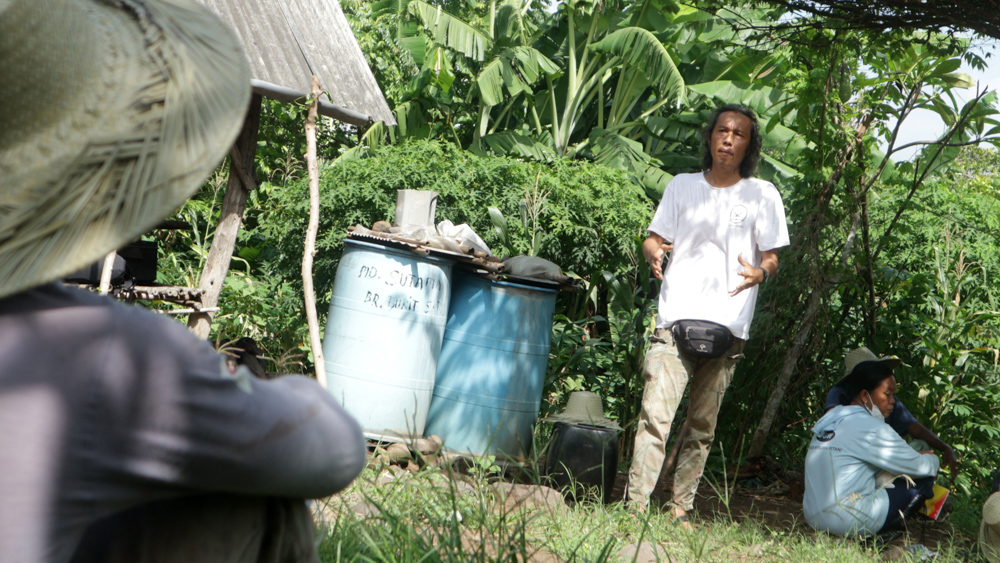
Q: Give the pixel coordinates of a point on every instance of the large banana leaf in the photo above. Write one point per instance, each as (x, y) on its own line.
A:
(508, 28)
(681, 127)
(411, 120)
(516, 68)
(373, 140)
(389, 7)
(632, 84)
(775, 166)
(451, 31)
(745, 68)
(652, 14)
(679, 161)
(641, 50)
(686, 13)
(439, 65)
(509, 143)
(654, 180)
(762, 99)
(615, 151)
(783, 140)
(406, 31)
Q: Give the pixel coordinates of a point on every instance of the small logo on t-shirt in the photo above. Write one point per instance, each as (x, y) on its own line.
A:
(826, 436)
(738, 216)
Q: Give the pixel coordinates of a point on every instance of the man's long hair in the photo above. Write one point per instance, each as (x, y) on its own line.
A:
(752, 156)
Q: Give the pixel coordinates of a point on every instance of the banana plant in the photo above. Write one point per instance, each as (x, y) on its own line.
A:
(502, 54)
(622, 98)
(615, 73)
(598, 79)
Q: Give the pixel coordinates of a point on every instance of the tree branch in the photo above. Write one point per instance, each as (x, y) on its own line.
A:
(920, 176)
(798, 343)
(974, 15)
(975, 141)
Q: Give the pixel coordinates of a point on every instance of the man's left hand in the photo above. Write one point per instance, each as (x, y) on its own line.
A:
(752, 276)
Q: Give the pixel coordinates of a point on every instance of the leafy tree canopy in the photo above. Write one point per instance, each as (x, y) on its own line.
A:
(979, 16)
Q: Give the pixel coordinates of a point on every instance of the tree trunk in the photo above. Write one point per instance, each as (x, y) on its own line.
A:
(791, 358)
(816, 296)
(668, 462)
(239, 185)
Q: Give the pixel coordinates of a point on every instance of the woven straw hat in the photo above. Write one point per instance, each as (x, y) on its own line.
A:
(989, 530)
(112, 114)
(863, 354)
(584, 407)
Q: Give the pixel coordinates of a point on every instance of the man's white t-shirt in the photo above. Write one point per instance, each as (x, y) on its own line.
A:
(710, 227)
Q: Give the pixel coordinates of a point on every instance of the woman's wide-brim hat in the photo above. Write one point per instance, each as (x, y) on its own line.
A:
(863, 354)
(989, 530)
(112, 114)
(584, 407)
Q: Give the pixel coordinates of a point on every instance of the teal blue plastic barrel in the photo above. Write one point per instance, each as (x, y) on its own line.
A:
(383, 337)
(491, 371)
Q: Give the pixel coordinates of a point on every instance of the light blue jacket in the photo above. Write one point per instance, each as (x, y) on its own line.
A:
(849, 447)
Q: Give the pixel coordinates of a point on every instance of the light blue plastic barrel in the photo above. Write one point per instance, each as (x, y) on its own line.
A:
(383, 337)
(492, 367)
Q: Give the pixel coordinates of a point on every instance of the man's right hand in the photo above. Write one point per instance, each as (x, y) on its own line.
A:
(921, 432)
(654, 248)
(948, 457)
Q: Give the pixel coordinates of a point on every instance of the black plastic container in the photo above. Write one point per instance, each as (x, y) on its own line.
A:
(141, 259)
(582, 459)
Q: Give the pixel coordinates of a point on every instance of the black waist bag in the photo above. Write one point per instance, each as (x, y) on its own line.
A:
(702, 339)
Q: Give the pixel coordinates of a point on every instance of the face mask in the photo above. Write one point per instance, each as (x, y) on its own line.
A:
(874, 411)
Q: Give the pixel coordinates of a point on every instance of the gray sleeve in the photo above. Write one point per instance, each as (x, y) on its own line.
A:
(886, 450)
(175, 418)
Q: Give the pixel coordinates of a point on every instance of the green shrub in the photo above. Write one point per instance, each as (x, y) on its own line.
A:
(590, 214)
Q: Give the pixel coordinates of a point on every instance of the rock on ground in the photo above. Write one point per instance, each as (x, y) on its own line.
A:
(644, 552)
(513, 497)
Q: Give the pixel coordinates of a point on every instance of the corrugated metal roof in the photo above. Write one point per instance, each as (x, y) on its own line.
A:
(287, 41)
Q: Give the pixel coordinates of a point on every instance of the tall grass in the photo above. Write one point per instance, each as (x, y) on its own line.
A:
(427, 517)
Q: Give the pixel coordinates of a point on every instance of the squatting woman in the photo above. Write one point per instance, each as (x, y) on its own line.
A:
(856, 462)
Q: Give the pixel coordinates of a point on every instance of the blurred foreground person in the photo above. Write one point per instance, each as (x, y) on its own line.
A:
(861, 477)
(125, 438)
(989, 530)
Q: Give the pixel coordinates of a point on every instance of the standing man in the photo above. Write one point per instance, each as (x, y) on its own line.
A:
(723, 227)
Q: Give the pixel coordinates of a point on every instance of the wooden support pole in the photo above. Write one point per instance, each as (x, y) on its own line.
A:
(310, 244)
(221, 253)
(109, 264)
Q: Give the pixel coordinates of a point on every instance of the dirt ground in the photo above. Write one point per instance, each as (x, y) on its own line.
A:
(775, 507)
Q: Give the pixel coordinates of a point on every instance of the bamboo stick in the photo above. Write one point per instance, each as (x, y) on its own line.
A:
(310, 244)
